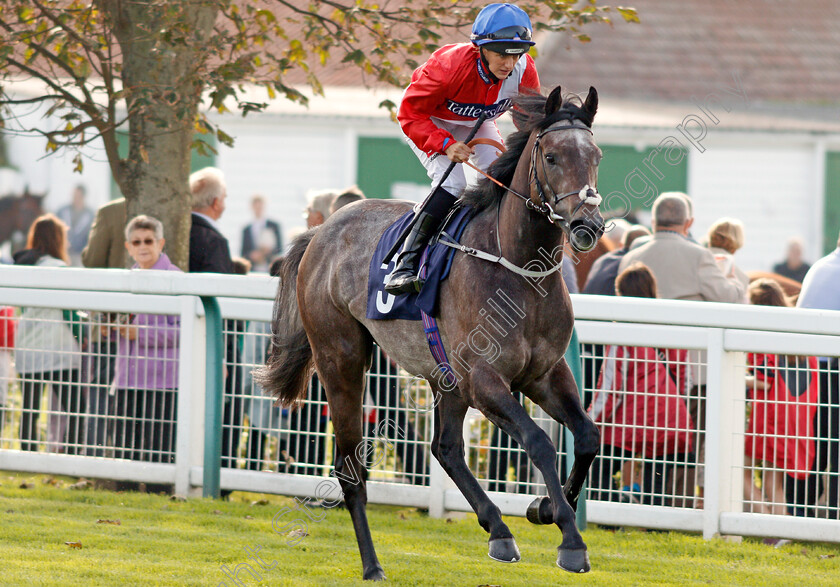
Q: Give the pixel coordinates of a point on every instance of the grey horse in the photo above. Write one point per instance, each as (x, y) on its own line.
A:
(504, 315)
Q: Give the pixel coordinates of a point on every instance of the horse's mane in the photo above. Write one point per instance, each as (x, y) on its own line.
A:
(528, 115)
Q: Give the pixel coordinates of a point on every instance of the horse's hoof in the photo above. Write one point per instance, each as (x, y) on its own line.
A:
(574, 560)
(539, 511)
(375, 574)
(504, 550)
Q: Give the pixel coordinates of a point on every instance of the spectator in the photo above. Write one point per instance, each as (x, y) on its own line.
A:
(106, 245)
(793, 266)
(261, 239)
(684, 270)
(640, 411)
(780, 432)
(106, 250)
(264, 418)
(8, 327)
(601, 280)
(78, 218)
(318, 207)
(725, 237)
(615, 230)
(47, 351)
(819, 291)
(209, 250)
(146, 378)
(350, 195)
(210, 253)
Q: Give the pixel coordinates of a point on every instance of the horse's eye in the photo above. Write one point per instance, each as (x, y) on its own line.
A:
(549, 158)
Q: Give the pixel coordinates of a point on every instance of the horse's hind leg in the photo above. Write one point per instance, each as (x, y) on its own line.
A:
(448, 448)
(493, 397)
(340, 353)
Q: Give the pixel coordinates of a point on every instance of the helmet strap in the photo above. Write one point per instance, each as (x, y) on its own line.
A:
(484, 62)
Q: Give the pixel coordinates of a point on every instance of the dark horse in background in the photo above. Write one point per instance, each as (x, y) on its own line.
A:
(549, 174)
(17, 213)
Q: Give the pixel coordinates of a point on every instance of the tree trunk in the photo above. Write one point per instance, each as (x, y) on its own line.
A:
(161, 78)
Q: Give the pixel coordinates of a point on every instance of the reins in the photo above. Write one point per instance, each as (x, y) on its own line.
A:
(587, 195)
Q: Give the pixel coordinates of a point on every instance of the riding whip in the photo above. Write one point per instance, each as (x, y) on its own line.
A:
(398, 244)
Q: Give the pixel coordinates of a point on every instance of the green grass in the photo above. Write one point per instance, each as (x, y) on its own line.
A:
(164, 542)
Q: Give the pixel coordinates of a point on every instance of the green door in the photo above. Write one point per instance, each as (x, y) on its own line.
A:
(383, 161)
(831, 209)
(629, 180)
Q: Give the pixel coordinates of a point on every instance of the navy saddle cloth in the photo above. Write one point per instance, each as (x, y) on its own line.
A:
(438, 260)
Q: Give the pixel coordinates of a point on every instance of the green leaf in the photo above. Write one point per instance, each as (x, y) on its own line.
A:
(224, 138)
(629, 14)
(357, 57)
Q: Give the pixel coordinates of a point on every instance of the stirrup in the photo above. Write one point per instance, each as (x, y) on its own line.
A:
(407, 283)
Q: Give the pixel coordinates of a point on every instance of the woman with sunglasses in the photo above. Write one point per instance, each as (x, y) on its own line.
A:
(146, 372)
(439, 108)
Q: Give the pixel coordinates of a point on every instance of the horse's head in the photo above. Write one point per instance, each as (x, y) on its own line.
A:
(564, 168)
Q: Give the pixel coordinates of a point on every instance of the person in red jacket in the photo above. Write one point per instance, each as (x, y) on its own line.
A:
(783, 392)
(441, 105)
(640, 409)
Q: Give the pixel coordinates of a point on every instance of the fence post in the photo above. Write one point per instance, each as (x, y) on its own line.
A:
(213, 397)
(724, 461)
(573, 361)
(188, 437)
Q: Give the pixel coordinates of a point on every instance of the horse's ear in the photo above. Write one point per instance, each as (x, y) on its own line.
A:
(591, 103)
(552, 104)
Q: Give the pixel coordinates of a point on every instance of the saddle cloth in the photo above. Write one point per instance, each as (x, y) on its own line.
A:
(438, 260)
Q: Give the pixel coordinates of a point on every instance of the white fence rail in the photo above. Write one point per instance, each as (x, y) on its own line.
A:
(718, 337)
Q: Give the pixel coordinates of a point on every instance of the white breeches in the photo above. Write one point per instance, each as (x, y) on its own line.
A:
(436, 164)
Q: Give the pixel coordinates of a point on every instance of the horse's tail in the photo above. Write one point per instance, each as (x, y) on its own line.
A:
(287, 370)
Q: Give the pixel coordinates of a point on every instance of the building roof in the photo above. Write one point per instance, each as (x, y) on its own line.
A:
(783, 52)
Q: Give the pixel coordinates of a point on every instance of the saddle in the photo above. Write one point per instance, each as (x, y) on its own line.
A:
(436, 262)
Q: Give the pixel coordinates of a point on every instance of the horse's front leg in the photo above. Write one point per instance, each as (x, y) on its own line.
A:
(557, 394)
(448, 448)
(492, 396)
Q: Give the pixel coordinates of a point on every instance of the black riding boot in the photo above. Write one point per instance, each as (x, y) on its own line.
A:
(404, 279)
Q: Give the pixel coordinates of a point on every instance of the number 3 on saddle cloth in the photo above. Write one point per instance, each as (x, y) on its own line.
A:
(434, 268)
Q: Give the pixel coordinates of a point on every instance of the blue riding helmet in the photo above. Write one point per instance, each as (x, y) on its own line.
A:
(503, 28)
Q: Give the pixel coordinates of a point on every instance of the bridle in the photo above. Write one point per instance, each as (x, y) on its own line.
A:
(587, 194)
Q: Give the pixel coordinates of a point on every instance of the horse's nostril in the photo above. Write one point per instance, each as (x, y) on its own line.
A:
(584, 236)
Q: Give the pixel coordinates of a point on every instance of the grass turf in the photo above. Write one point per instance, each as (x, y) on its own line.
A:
(163, 542)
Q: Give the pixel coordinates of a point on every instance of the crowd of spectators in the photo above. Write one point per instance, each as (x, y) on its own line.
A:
(793, 421)
(111, 379)
(112, 388)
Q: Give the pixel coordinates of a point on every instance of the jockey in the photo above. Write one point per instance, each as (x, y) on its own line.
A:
(446, 96)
